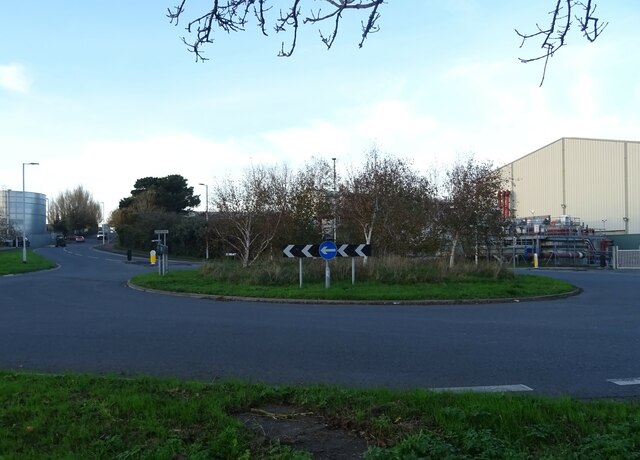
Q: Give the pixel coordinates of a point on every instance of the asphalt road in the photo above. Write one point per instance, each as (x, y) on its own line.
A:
(82, 317)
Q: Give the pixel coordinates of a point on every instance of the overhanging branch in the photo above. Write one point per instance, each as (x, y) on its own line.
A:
(555, 35)
(233, 16)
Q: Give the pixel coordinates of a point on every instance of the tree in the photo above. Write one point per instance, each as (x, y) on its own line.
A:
(470, 211)
(309, 203)
(160, 203)
(169, 193)
(249, 210)
(388, 196)
(555, 34)
(234, 15)
(7, 230)
(74, 211)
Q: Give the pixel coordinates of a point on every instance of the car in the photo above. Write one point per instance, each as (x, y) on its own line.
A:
(100, 235)
(79, 239)
(60, 241)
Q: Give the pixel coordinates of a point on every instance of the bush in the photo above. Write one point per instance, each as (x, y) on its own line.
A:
(388, 270)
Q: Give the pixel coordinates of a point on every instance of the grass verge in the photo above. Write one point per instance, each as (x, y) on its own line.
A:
(11, 262)
(454, 288)
(80, 416)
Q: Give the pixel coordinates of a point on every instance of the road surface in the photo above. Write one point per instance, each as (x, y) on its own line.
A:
(82, 317)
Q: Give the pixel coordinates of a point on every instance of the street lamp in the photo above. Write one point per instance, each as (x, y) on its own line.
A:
(206, 213)
(24, 216)
(335, 220)
(104, 237)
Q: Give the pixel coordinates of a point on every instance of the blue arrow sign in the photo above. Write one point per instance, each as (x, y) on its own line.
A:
(328, 250)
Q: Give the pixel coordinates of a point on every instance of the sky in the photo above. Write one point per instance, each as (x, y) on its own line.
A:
(101, 94)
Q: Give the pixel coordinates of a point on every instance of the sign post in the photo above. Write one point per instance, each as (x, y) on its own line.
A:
(162, 251)
(328, 251)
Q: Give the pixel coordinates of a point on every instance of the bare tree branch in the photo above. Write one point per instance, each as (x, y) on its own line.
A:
(232, 16)
(555, 35)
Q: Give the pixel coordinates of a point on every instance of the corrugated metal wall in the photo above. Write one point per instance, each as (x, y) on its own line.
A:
(633, 193)
(534, 187)
(596, 180)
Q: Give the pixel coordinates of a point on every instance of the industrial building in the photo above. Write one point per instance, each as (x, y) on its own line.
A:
(26, 210)
(576, 188)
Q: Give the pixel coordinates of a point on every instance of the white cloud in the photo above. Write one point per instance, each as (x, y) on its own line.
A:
(394, 125)
(13, 77)
(318, 138)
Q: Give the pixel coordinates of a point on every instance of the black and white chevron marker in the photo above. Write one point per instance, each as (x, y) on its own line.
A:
(301, 250)
(313, 250)
(354, 250)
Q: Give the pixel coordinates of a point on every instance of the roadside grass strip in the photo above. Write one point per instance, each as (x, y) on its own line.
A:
(107, 417)
(11, 262)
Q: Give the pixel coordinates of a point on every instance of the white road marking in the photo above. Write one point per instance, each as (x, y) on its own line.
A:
(486, 389)
(628, 381)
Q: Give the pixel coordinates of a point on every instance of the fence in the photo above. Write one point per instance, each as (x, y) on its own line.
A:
(626, 258)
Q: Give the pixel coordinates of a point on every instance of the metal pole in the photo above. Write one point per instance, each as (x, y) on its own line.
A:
(24, 216)
(327, 275)
(300, 270)
(24, 220)
(104, 237)
(165, 255)
(8, 204)
(206, 214)
(335, 220)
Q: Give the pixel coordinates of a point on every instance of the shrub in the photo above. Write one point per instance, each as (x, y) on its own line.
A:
(388, 270)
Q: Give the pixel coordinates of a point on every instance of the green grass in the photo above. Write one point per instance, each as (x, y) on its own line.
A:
(11, 262)
(80, 416)
(455, 288)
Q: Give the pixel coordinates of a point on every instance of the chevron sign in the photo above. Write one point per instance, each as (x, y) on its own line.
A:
(313, 250)
(354, 250)
(301, 250)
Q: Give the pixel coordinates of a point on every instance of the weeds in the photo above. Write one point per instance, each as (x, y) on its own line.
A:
(388, 270)
(77, 416)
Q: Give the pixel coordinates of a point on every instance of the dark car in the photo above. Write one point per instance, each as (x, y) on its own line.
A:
(60, 241)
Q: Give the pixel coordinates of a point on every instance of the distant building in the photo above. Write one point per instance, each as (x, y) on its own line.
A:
(594, 180)
(28, 211)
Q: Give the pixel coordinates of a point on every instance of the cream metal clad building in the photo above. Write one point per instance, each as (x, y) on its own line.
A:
(594, 180)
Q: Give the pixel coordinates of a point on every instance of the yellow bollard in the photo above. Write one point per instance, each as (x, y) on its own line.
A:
(152, 257)
(535, 260)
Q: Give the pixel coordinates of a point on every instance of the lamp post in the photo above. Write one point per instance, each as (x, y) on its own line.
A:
(206, 214)
(335, 220)
(24, 216)
(102, 221)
